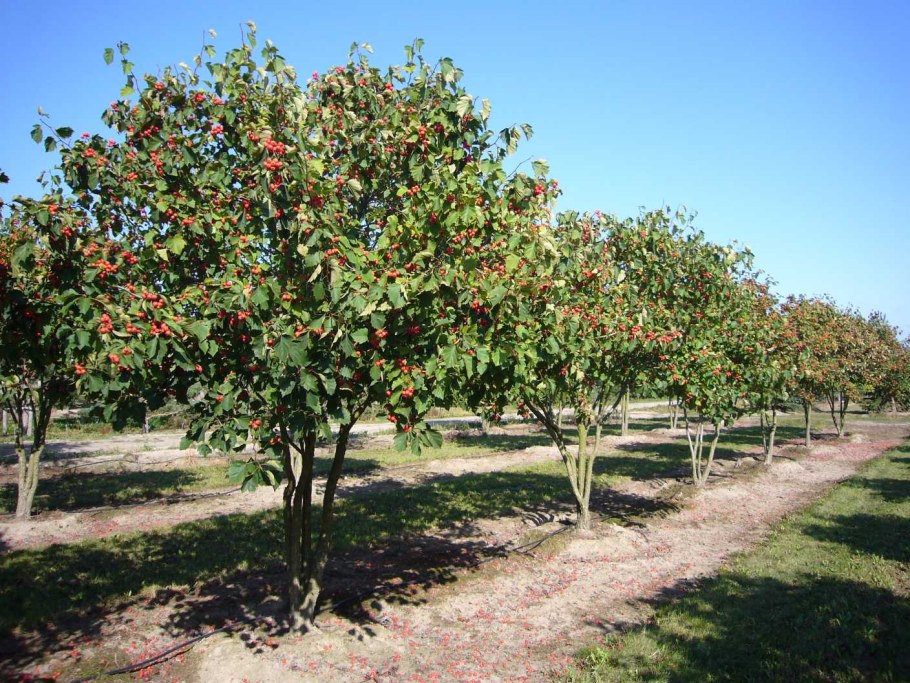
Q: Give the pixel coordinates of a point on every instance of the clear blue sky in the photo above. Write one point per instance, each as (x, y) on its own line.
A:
(783, 123)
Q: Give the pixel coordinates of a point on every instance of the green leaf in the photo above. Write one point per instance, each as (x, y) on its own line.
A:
(65, 132)
(401, 441)
(395, 295)
(176, 244)
(37, 132)
(260, 297)
(361, 336)
(108, 55)
(541, 167)
(465, 105)
(498, 294)
(199, 329)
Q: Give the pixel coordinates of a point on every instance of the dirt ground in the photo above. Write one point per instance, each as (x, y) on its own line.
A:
(460, 604)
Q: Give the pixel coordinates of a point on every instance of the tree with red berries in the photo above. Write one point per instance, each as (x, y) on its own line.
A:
(40, 259)
(299, 252)
(713, 307)
(589, 330)
(844, 357)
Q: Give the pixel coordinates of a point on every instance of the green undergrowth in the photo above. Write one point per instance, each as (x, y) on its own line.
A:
(71, 579)
(825, 598)
(79, 490)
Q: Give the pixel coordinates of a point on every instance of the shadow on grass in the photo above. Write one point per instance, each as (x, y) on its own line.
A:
(647, 460)
(72, 491)
(887, 536)
(742, 628)
(891, 490)
(503, 442)
(751, 435)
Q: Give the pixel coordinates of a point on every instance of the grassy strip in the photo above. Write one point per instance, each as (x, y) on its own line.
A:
(37, 586)
(92, 489)
(89, 489)
(825, 598)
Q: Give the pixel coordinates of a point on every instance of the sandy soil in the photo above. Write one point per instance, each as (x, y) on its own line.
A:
(491, 615)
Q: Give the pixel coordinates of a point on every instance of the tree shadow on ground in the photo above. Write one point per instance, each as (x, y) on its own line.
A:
(72, 491)
(743, 628)
(646, 460)
(887, 536)
(382, 544)
(750, 435)
(503, 442)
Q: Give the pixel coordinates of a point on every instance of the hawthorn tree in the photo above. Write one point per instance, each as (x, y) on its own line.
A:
(891, 386)
(40, 258)
(704, 366)
(775, 356)
(297, 253)
(580, 338)
(843, 358)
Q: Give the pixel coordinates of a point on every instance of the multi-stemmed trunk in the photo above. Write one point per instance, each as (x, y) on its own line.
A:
(579, 464)
(31, 416)
(624, 413)
(768, 419)
(308, 550)
(673, 407)
(838, 404)
(701, 463)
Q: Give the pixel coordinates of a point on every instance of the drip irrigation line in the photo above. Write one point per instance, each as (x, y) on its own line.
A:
(169, 500)
(159, 658)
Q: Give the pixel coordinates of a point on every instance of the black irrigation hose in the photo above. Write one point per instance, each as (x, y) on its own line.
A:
(162, 656)
(184, 646)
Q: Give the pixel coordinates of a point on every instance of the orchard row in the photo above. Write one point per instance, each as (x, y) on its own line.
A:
(280, 256)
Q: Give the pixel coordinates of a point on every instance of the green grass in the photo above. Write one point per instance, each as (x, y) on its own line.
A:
(73, 491)
(825, 598)
(70, 578)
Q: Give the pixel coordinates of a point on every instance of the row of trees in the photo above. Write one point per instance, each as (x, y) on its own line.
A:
(280, 256)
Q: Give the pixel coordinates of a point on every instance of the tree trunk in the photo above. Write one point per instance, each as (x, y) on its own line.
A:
(768, 432)
(838, 406)
(28, 480)
(844, 402)
(298, 492)
(807, 411)
(673, 407)
(34, 421)
(701, 466)
(624, 410)
(579, 466)
(306, 563)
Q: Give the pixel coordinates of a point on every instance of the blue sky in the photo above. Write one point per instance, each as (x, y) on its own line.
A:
(783, 123)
